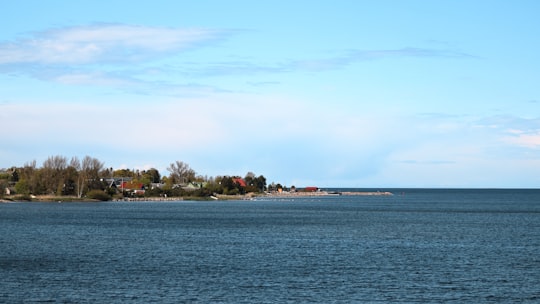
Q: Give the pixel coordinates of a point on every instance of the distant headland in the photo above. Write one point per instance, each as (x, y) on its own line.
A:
(60, 179)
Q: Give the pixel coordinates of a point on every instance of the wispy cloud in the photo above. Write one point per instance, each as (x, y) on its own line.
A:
(101, 43)
(510, 123)
(354, 56)
(526, 140)
(107, 55)
(338, 61)
(409, 52)
(131, 58)
(91, 78)
(427, 162)
(509, 133)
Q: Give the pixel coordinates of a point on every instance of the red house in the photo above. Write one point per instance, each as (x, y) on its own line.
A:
(239, 181)
(131, 186)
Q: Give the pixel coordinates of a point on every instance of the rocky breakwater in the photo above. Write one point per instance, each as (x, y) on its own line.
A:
(381, 193)
(327, 193)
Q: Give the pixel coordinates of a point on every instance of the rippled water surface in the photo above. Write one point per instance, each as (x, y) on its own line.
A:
(419, 246)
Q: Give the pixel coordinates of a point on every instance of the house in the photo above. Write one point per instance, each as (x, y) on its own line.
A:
(135, 187)
(117, 181)
(193, 186)
(156, 185)
(241, 182)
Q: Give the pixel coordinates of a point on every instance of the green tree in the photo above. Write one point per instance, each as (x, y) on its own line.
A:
(150, 176)
(260, 181)
(33, 178)
(255, 184)
(22, 187)
(71, 176)
(14, 175)
(3, 185)
(227, 184)
(124, 173)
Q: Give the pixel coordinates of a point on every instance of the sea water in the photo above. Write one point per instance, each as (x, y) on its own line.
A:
(417, 246)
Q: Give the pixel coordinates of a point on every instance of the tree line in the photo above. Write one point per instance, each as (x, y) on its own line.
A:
(89, 177)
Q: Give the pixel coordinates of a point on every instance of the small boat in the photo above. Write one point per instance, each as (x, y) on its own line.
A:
(334, 193)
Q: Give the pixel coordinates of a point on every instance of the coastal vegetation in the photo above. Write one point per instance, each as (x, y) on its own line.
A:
(63, 179)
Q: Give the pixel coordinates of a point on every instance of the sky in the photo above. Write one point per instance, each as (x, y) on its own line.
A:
(307, 93)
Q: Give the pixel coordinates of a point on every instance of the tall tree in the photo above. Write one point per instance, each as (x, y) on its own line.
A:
(30, 179)
(54, 173)
(90, 168)
(261, 182)
(255, 184)
(151, 175)
(3, 186)
(88, 173)
(181, 172)
(79, 184)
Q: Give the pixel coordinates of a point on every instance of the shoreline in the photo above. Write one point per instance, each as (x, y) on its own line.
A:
(220, 197)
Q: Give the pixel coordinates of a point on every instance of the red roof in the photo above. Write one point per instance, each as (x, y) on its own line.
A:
(240, 182)
(132, 186)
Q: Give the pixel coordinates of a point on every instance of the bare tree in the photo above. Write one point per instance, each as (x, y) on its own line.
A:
(54, 173)
(75, 163)
(79, 185)
(91, 166)
(55, 162)
(181, 172)
(88, 171)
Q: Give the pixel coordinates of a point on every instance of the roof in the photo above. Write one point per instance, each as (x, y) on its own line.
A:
(240, 182)
(132, 186)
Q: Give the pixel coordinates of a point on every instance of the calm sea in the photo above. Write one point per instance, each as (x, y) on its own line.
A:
(418, 246)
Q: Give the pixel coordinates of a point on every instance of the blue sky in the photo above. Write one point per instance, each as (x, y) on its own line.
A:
(325, 93)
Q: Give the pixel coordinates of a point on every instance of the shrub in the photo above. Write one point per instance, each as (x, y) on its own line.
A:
(99, 195)
(22, 197)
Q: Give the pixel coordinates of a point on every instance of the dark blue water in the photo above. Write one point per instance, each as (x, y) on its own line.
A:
(419, 246)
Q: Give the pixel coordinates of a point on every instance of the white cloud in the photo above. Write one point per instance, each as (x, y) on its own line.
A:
(113, 56)
(514, 131)
(101, 43)
(526, 140)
